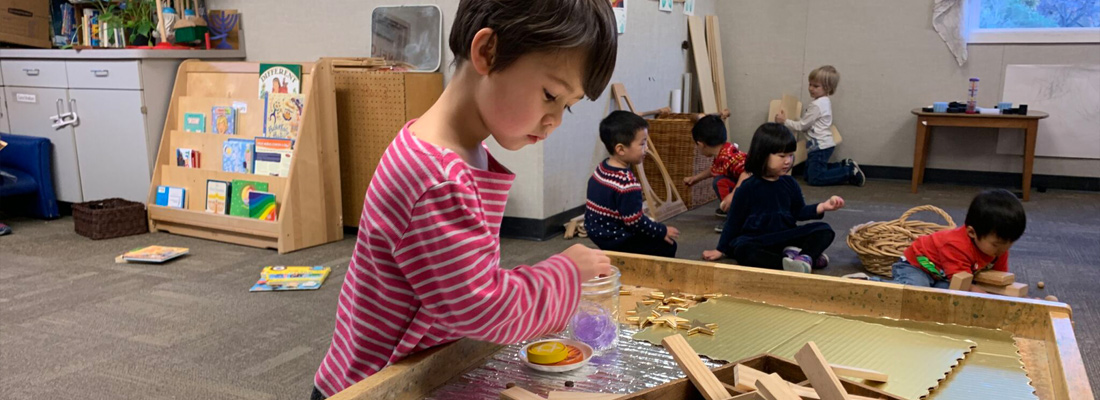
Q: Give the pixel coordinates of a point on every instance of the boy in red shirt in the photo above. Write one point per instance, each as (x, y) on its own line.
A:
(728, 168)
(995, 220)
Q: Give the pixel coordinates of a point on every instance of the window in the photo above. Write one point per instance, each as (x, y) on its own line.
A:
(1033, 21)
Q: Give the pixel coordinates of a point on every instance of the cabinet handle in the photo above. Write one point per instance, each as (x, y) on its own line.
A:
(72, 111)
(100, 73)
(31, 71)
(60, 103)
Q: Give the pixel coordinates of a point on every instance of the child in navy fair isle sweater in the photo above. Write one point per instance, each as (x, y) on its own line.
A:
(613, 214)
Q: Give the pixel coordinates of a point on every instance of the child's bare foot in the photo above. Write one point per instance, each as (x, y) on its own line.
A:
(711, 255)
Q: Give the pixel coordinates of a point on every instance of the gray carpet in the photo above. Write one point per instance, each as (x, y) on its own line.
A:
(75, 325)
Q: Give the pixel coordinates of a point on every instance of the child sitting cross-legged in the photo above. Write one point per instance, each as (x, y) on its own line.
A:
(613, 213)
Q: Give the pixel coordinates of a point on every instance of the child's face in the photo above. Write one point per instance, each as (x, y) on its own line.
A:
(635, 153)
(816, 90)
(780, 163)
(523, 103)
(991, 244)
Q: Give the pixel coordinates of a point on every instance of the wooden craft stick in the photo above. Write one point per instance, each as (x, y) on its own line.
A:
(745, 381)
(518, 393)
(821, 376)
(861, 373)
(560, 395)
(772, 387)
(995, 278)
(754, 395)
(1015, 289)
(961, 281)
(700, 375)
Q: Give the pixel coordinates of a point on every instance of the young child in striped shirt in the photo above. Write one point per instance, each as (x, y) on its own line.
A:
(426, 266)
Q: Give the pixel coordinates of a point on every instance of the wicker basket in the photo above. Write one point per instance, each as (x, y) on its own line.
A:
(670, 134)
(881, 244)
(110, 218)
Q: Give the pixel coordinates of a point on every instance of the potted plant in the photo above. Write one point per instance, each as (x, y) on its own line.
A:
(111, 24)
(138, 20)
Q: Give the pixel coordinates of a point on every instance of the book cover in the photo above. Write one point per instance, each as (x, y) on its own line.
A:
(194, 122)
(237, 155)
(238, 199)
(272, 156)
(261, 205)
(280, 278)
(188, 158)
(280, 78)
(170, 196)
(154, 254)
(217, 193)
(282, 115)
(223, 120)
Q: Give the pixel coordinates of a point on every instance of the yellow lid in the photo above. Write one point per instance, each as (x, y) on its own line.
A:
(546, 353)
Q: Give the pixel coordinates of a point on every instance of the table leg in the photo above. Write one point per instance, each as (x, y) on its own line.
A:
(920, 153)
(1030, 134)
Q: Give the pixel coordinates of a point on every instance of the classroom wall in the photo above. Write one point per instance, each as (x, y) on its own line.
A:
(551, 177)
(890, 61)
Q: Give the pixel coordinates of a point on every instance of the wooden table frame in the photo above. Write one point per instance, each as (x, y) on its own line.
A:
(926, 120)
(1043, 329)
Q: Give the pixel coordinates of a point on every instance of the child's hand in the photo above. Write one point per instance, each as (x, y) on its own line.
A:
(725, 114)
(834, 203)
(725, 205)
(590, 262)
(689, 180)
(711, 255)
(672, 235)
(781, 118)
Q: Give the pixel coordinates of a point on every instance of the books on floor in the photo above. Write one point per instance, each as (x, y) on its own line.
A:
(238, 199)
(272, 156)
(170, 196)
(279, 278)
(283, 115)
(154, 254)
(223, 120)
(188, 158)
(194, 122)
(280, 78)
(217, 196)
(237, 155)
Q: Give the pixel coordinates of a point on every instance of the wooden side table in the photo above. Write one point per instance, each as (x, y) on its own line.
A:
(926, 120)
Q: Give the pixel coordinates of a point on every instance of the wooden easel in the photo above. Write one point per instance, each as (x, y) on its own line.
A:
(672, 204)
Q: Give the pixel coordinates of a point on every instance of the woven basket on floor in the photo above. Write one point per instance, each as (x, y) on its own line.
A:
(110, 218)
(881, 244)
(670, 134)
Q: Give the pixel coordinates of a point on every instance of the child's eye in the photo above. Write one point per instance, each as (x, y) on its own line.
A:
(549, 97)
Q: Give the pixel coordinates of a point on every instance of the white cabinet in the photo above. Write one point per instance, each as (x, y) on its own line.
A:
(5, 127)
(111, 144)
(30, 110)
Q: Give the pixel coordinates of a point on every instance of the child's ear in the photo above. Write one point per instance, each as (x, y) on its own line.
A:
(483, 50)
(620, 149)
(972, 233)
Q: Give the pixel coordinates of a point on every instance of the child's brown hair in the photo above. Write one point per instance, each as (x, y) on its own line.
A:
(827, 77)
(531, 26)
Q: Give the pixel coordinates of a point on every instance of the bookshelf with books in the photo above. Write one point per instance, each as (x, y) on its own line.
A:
(307, 196)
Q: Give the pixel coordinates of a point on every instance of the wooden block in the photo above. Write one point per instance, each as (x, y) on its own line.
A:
(861, 373)
(518, 393)
(749, 396)
(1016, 289)
(696, 30)
(961, 281)
(772, 387)
(700, 375)
(820, 374)
(560, 395)
(995, 278)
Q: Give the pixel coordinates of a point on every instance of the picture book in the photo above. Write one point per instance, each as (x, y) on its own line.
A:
(169, 196)
(272, 156)
(217, 193)
(261, 205)
(280, 78)
(278, 278)
(188, 158)
(223, 119)
(154, 254)
(194, 122)
(238, 198)
(237, 155)
(282, 115)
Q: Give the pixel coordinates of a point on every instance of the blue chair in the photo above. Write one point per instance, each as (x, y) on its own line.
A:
(26, 185)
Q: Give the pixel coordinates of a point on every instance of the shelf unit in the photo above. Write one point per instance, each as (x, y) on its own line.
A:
(308, 198)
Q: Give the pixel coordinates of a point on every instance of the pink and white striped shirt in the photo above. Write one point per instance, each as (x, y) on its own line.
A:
(426, 268)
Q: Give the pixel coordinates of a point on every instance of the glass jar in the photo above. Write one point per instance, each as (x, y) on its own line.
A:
(596, 322)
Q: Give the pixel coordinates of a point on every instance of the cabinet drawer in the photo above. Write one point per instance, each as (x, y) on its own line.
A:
(34, 73)
(104, 74)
